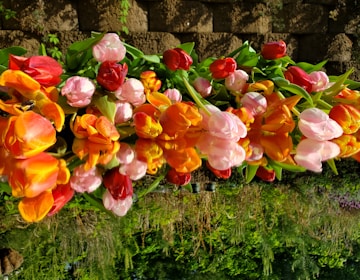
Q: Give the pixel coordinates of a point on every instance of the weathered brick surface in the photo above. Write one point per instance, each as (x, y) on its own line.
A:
(314, 30)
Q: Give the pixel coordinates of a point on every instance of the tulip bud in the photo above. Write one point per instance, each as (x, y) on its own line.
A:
(173, 94)
(298, 76)
(111, 75)
(119, 185)
(222, 68)
(222, 174)
(267, 175)
(110, 48)
(236, 81)
(61, 194)
(347, 116)
(273, 50)
(78, 91)
(131, 91)
(202, 86)
(176, 59)
(177, 178)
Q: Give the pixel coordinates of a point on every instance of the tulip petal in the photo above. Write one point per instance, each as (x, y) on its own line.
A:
(36, 208)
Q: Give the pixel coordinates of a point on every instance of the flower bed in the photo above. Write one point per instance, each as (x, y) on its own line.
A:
(109, 114)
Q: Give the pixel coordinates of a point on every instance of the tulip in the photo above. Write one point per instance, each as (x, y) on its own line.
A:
(43, 69)
(266, 87)
(178, 117)
(173, 94)
(28, 135)
(277, 146)
(132, 91)
(265, 174)
(311, 153)
(298, 76)
(111, 75)
(78, 91)
(146, 126)
(124, 112)
(226, 125)
(349, 145)
(150, 152)
(110, 48)
(254, 102)
(34, 209)
(221, 174)
(32, 176)
(320, 81)
(85, 180)
(118, 206)
(347, 116)
(236, 81)
(136, 169)
(222, 68)
(317, 125)
(126, 154)
(150, 81)
(119, 185)
(202, 86)
(177, 178)
(184, 160)
(273, 50)
(177, 58)
(62, 194)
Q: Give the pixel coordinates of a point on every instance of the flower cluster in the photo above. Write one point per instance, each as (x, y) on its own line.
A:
(110, 114)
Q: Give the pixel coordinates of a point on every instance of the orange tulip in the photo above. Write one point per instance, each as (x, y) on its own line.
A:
(28, 135)
(184, 161)
(277, 146)
(348, 144)
(347, 116)
(21, 82)
(150, 152)
(265, 87)
(177, 119)
(32, 176)
(34, 209)
(146, 126)
(150, 81)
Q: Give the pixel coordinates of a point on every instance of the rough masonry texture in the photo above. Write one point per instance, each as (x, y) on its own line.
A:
(314, 30)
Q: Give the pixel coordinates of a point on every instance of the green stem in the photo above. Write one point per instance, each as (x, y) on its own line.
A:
(194, 95)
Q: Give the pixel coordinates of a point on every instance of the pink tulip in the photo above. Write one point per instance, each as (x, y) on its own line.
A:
(110, 48)
(131, 91)
(221, 153)
(118, 206)
(136, 169)
(85, 180)
(173, 94)
(236, 81)
(317, 125)
(126, 154)
(320, 81)
(202, 86)
(78, 91)
(254, 102)
(257, 152)
(124, 112)
(225, 125)
(311, 153)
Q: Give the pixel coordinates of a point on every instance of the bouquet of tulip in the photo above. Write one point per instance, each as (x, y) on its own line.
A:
(109, 114)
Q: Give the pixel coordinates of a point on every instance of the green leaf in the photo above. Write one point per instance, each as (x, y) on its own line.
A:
(308, 67)
(134, 52)
(152, 58)
(278, 171)
(152, 187)
(284, 84)
(80, 52)
(96, 202)
(250, 172)
(106, 107)
(188, 47)
(338, 83)
(4, 187)
(289, 167)
(331, 163)
(4, 54)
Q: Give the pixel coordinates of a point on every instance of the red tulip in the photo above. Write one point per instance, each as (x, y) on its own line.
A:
(62, 194)
(298, 76)
(111, 75)
(43, 69)
(273, 50)
(221, 68)
(267, 175)
(178, 178)
(177, 59)
(222, 174)
(119, 185)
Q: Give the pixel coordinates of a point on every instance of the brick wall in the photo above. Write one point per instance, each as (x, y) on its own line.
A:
(313, 29)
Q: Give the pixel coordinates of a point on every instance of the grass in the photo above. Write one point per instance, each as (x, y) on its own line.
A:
(256, 231)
